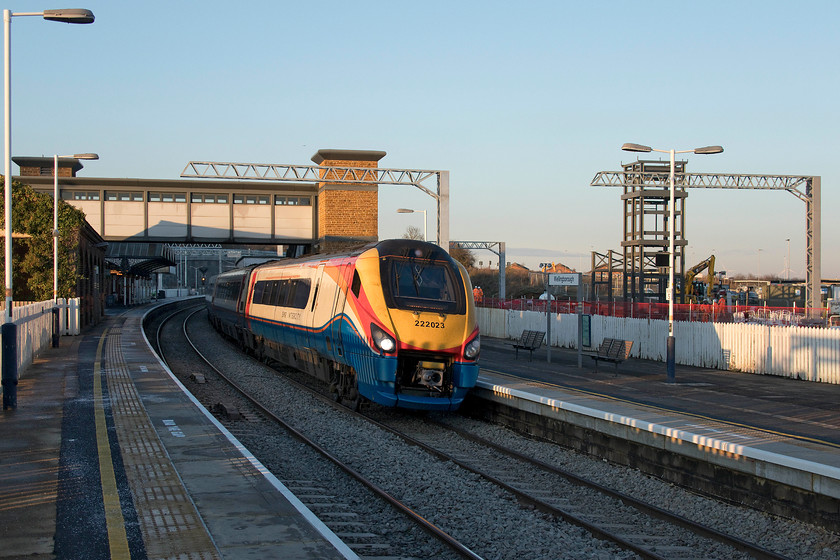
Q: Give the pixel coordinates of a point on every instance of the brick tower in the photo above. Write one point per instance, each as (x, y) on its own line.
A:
(348, 213)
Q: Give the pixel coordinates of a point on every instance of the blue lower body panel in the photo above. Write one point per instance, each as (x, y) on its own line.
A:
(376, 374)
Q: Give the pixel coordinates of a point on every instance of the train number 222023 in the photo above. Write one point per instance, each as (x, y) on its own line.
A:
(429, 324)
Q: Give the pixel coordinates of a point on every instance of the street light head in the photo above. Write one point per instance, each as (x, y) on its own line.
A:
(636, 148)
(86, 156)
(709, 150)
(69, 15)
(405, 211)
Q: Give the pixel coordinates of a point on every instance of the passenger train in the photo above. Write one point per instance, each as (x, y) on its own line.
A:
(393, 322)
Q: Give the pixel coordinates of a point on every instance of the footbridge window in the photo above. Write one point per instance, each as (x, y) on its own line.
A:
(280, 200)
(166, 197)
(250, 199)
(124, 196)
(80, 195)
(203, 198)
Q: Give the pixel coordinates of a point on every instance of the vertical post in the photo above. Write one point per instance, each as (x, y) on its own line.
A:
(813, 273)
(7, 131)
(671, 342)
(547, 320)
(443, 211)
(787, 266)
(502, 266)
(580, 318)
(56, 336)
(9, 329)
(55, 228)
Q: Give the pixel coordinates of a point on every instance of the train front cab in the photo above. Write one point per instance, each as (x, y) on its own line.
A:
(424, 332)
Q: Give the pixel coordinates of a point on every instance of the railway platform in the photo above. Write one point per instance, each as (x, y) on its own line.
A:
(107, 456)
(769, 441)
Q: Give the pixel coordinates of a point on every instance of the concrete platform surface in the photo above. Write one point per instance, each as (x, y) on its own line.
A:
(107, 456)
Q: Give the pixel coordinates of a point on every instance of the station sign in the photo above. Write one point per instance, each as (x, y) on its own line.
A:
(557, 279)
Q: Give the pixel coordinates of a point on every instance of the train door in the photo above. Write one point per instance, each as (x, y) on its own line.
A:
(315, 313)
(327, 306)
(338, 311)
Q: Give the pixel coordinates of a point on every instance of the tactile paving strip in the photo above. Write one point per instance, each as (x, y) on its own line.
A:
(170, 525)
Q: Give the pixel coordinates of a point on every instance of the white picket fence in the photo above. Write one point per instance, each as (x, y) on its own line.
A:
(797, 352)
(35, 326)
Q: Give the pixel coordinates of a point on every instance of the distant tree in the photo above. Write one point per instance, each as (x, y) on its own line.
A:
(413, 232)
(463, 256)
(32, 214)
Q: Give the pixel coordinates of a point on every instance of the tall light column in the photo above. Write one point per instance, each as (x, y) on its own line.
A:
(788, 259)
(56, 331)
(9, 330)
(671, 344)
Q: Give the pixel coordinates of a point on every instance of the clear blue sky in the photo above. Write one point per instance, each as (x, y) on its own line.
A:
(523, 102)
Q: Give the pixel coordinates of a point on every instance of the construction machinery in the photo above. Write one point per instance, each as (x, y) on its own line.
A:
(700, 292)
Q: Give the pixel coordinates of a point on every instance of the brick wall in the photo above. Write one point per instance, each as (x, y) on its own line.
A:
(348, 213)
(43, 166)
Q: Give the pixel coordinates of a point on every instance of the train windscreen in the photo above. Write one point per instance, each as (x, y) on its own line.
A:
(418, 284)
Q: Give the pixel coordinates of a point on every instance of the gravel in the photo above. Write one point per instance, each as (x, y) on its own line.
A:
(476, 512)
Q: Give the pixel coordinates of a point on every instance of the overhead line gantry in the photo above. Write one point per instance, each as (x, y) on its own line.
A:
(805, 188)
(335, 175)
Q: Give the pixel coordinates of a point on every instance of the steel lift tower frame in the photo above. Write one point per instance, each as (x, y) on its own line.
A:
(647, 227)
(317, 174)
(805, 188)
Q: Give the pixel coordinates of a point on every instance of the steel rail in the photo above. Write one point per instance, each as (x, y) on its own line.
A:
(535, 502)
(644, 507)
(432, 529)
(653, 510)
(647, 508)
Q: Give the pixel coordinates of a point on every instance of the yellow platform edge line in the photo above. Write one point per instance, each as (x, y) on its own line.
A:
(114, 520)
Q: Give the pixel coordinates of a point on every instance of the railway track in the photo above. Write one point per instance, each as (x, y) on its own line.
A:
(645, 530)
(321, 495)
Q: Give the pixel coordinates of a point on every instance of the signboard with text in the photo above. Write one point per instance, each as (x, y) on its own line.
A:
(558, 279)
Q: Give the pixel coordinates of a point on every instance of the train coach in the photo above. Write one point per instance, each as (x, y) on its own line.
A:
(393, 322)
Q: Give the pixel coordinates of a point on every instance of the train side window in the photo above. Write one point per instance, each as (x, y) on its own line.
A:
(301, 293)
(356, 285)
(281, 293)
(276, 288)
(259, 287)
(268, 293)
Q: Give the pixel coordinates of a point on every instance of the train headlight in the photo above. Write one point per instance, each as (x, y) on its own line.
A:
(381, 339)
(472, 349)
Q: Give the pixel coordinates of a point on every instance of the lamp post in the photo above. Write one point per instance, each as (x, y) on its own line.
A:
(671, 341)
(787, 268)
(410, 211)
(9, 330)
(56, 333)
